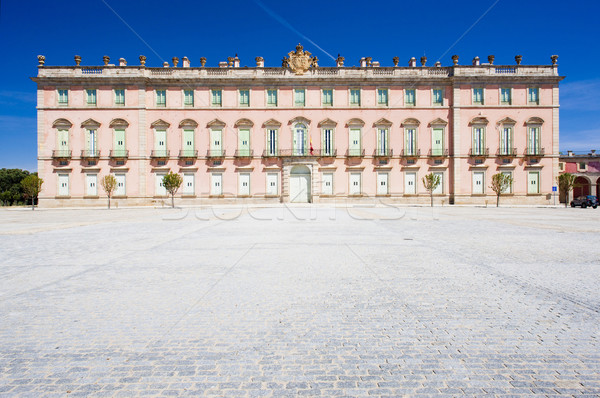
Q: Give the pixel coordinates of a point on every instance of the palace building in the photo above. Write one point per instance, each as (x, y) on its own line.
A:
(297, 133)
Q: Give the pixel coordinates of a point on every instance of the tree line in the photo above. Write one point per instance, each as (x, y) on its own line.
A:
(18, 187)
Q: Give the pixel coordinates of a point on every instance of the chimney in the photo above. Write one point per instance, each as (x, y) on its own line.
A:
(593, 152)
(165, 64)
(122, 62)
(438, 64)
(375, 64)
(185, 62)
(476, 61)
(363, 62)
(412, 62)
(236, 61)
(569, 153)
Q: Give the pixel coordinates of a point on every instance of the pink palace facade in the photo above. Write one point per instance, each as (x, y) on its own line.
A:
(297, 133)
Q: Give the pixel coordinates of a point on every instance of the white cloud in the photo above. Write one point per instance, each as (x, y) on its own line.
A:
(580, 95)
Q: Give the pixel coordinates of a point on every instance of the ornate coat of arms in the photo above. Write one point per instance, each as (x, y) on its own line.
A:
(300, 61)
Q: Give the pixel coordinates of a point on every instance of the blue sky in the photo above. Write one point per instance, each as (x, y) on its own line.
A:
(215, 30)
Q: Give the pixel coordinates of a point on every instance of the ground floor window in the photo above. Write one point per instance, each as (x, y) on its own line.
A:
(355, 184)
(410, 183)
(216, 184)
(91, 181)
(188, 184)
(327, 184)
(120, 191)
(244, 184)
(533, 182)
(382, 183)
(63, 185)
(478, 187)
(272, 184)
(159, 189)
(439, 190)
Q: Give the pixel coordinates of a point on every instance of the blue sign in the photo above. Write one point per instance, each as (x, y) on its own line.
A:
(554, 189)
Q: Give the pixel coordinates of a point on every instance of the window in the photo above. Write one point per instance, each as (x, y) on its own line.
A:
(188, 184)
(63, 141)
(533, 96)
(533, 141)
(272, 184)
(244, 142)
(505, 96)
(119, 96)
(355, 186)
(478, 186)
(478, 140)
(272, 97)
(354, 146)
(355, 97)
(478, 96)
(533, 182)
(91, 184)
(159, 187)
(216, 98)
(409, 97)
(382, 183)
(188, 97)
(382, 96)
(299, 139)
(506, 141)
(120, 191)
(561, 166)
(271, 142)
(410, 144)
(509, 188)
(410, 183)
(439, 190)
(582, 166)
(245, 98)
(438, 97)
(216, 145)
(161, 97)
(216, 186)
(91, 143)
(119, 145)
(63, 185)
(188, 143)
(327, 97)
(382, 142)
(299, 97)
(90, 96)
(327, 144)
(437, 142)
(327, 184)
(244, 184)
(160, 142)
(63, 97)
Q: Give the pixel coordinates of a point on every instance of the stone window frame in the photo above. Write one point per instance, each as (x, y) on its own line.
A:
(239, 95)
(156, 97)
(295, 103)
(58, 96)
(115, 89)
(87, 97)
(473, 101)
(212, 97)
(414, 103)
(323, 104)
(510, 95)
(433, 103)
(267, 104)
(538, 93)
(183, 92)
(387, 95)
(350, 103)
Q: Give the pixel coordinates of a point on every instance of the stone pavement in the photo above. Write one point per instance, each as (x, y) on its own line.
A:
(308, 300)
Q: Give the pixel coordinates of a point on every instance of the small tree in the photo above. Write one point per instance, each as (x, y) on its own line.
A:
(32, 186)
(566, 182)
(431, 182)
(500, 183)
(172, 182)
(109, 184)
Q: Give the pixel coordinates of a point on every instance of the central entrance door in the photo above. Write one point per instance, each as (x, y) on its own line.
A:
(300, 184)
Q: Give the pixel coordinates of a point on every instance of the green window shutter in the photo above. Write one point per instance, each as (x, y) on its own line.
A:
(215, 141)
(119, 142)
(244, 142)
(188, 140)
(437, 144)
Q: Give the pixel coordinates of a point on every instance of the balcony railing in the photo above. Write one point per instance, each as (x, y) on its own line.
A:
(383, 153)
(479, 152)
(90, 154)
(535, 151)
(188, 154)
(437, 153)
(415, 153)
(328, 154)
(355, 153)
(243, 153)
(506, 152)
(298, 152)
(159, 154)
(119, 154)
(61, 154)
(215, 153)
(270, 154)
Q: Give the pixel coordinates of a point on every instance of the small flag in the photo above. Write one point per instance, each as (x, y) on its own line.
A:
(311, 146)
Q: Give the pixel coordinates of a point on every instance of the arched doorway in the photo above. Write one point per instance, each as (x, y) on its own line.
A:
(300, 184)
(581, 187)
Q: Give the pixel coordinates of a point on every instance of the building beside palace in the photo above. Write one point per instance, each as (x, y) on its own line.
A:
(586, 168)
(297, 133)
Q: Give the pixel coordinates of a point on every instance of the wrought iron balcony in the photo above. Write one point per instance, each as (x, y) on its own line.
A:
(215, 153)
(243, 153)
(437, 153)
(188, 154)
(535, 152)
(415, 153)
(383, 153)
(507, 152)
(479, 152)
(270, 154)
(355, 153)
(90, 154)
(328, 154)
(299, 152)
(61, 154)
(159, 154)
(119, 154)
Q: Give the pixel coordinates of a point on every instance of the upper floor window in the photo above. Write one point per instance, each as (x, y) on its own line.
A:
(533, 95)
(478, 96)
(327, 97)
(63, 97)
(382, 141)
(327, 144)
(271, 141)
(355, 96)
(410, 141)
(438, 97)
(272, 97)
(478, 140)
(90, 96)
(216, 97)
(161, 97)
(119, 96)
(188, 97)
(505, 96)
(382, 96)
(533, 140)
(299, 97)
(410, 97)
(244, 97)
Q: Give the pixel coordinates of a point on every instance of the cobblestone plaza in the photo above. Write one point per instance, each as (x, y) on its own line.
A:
(287, 301)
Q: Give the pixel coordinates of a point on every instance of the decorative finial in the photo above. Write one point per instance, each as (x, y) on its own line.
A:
(77, 60)
(41, 60)
(455, 59)
(284, 62)
(143, 60)
(202, 61)
(396, 60)
(423, 60)
(369, 61)
(554, 59)
(175, 61)
(299, 48)
(106, 60)
(518, 59)
(340, 60)
(314, 62)
(491, 59)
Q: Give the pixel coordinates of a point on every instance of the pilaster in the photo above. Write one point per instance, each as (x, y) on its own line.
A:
(143, 157)
(454, 133)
